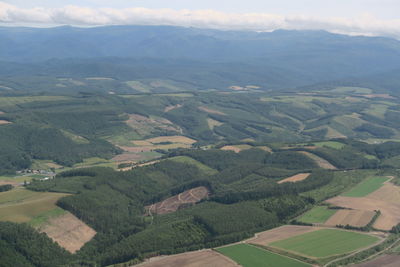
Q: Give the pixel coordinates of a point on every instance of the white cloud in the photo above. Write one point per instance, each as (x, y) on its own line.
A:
(83, 16)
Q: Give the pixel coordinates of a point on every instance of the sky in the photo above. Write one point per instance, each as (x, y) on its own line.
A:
(354, 17)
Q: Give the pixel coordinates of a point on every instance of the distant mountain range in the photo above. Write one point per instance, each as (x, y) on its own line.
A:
(279, 59)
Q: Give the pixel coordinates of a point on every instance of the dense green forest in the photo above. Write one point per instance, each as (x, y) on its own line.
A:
(113, 202)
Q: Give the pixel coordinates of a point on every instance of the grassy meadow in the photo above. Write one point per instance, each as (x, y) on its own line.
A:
(366, 187)
(318, 214)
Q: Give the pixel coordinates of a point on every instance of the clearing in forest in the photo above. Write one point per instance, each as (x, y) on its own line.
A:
(356, 218)
(366, 187)
(213, 123)
(169, 108)
(323, 163)
(236, 148)
(211, 111)
(318, 214)
(295, 178)
(68, 231)
(251, 256)
(4, 122)
(172, 204)
(199, 258)
(188, 160)
(325, 242)
(280, 233)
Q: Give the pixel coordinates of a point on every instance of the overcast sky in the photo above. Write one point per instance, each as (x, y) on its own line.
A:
(366, 17)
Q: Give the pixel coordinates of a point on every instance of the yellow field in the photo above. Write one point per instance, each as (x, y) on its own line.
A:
(21, 205)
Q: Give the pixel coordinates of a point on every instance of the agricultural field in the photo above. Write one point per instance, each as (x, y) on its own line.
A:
(68, 231)
(366, 187)
(318, 215)
(280, 233)
(385, 199)
(200, 258)
(251, 256)
(21, 205)
(382, 261)
(325, 243)
(356, 218)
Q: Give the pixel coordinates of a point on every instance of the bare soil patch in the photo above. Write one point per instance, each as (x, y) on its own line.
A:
(172, 204)
(323, 163)
(357, 218)
(383, 261)
(200, 258)
(295, 178)
(4, 122)
(390, 211)
(68, 231)
(236, 148)
(280, 233)
(169, 108)
(265, 148)
(211, 111)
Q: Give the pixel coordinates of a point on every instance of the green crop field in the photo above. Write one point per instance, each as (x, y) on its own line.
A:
(326, 242)
(366, 187)
(318, 214)
(251, 256)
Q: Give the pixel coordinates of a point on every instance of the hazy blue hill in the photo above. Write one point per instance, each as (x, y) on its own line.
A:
(200, 57)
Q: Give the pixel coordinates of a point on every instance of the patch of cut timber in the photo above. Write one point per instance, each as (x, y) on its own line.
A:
(68, 231)
(390, 211)
(280, 233)
(4, 122)
(173, 139)
(200, 258)
(383, 261)
(176, 202)
(323, 163)
(295, 178)
(211, 111)
(357, 218)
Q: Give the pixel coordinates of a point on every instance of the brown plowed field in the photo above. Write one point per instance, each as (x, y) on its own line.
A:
(383, 261)
(357, 218)
(68, 231)
(280, 233)
(200, 258)
(172, 204)
(320, 161)
(236, 148)
(295, 178)
(390, 212)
